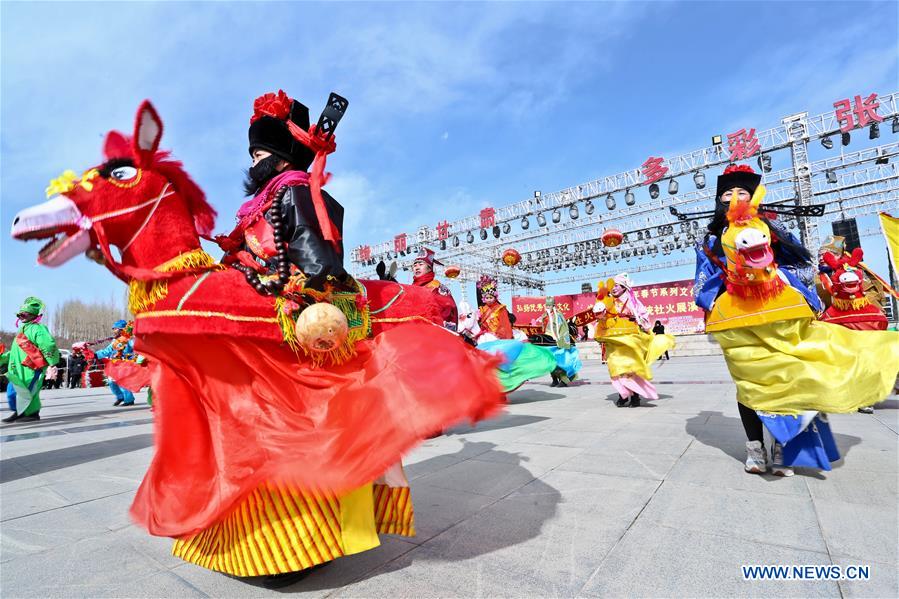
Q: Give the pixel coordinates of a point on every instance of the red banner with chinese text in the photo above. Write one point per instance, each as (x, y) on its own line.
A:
(671, 303)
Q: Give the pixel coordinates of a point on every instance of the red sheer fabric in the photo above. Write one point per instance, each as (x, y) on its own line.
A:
(235, 412)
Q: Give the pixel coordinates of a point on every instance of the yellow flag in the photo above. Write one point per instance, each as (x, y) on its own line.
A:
(890, 226)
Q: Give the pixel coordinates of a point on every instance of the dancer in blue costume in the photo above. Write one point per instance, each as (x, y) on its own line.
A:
(121, 348)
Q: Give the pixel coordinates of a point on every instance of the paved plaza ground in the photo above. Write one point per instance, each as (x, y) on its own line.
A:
(563, 495)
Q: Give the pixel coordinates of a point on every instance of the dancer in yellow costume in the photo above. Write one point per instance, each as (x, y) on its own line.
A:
(789, 368)
(631, 346)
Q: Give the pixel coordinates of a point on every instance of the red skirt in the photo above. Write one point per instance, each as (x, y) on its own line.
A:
(236, 412)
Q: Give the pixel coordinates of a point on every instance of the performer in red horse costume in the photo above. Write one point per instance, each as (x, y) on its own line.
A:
(271, 431)
(850, 307)
(423, 276)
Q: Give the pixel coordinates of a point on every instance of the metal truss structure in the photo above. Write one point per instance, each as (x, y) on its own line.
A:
(558, 232)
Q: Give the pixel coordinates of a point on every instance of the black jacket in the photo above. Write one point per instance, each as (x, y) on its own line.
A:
(307, 249)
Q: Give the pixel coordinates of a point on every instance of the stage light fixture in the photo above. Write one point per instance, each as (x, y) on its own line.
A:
(470, 237)
(827, 142)
(672, 187)
(572, 212)
(699, 179)
(483, 234)
(845, 138)
(455, 241)
(653, 191)
(764, 162)
(443, 244)
(507, 228)
(629, 198)
(610, 202)
(525, 223)
(716, 140)
(831, 176)
(541, 220)
(557, 216)
(588, 208)
(874, 130)
(882, 158)
(896, 124)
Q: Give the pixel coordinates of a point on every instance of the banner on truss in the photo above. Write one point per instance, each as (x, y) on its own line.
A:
(671, 303)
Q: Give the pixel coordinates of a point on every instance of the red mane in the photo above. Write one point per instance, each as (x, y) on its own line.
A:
(118, 145)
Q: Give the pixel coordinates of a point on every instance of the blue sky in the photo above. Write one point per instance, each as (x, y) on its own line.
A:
(452, 107)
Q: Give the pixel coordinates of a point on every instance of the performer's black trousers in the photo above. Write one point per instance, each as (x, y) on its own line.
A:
(752, 424)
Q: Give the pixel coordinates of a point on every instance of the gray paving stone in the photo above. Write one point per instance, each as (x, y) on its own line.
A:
(788, 521)
(493, 479)
(45, 531)
(106, 561)
(588, 493)
(436, 509)
(563, 438)
(658, 561)
(883, 580)
(624, 463)
(861, 487)
(716, 472)
(29, 501)
(536, 459)
(869, 533)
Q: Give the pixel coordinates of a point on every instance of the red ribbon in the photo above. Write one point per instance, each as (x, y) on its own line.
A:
(316, 141)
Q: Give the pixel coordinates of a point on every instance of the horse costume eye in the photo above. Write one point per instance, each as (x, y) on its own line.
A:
(123, 173)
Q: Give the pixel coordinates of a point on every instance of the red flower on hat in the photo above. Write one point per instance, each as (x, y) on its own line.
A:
(738, 168)
(274, 105)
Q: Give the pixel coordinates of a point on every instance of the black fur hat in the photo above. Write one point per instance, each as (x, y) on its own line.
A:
(271, 134)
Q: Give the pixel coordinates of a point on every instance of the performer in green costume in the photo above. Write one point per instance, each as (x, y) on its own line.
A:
(32, 356)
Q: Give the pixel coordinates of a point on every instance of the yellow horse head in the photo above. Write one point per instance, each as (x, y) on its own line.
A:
(747, 244)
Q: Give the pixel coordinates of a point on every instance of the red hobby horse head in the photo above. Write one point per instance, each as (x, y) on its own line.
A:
(846, 276)
(138, 200)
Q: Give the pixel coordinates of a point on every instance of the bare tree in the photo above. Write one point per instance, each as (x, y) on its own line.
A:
(75, 320)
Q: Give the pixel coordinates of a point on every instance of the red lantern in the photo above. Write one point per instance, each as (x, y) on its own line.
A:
(452, 271)
(511, 257)
(612, 238)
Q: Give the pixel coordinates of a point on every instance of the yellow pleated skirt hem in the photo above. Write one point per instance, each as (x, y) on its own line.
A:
(278, 529)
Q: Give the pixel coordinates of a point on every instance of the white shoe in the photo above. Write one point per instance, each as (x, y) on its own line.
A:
(777, 458)
(756, 458)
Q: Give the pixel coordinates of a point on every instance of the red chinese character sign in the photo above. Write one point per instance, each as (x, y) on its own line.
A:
(488, 218)
(742, 144)
(864, 113)
(443, 230)
(653, 170)
(671, 303)
(399, 243)
(364, 253)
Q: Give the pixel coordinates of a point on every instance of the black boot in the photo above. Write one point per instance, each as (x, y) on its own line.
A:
(621, 402)
(11, 418)
(118, 402)
(30, 417)
(635, 401)
(555, 382)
